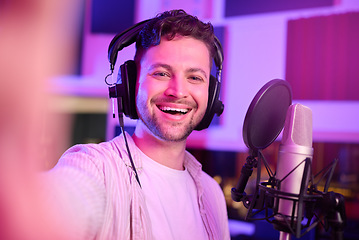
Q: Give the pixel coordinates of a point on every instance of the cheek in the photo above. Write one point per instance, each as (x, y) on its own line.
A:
(142, 88)
(144, 93)
(201, 97)
(141, 96)
(141, 92)
(150, 88)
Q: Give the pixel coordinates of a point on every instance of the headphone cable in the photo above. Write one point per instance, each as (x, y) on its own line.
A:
(120, 117)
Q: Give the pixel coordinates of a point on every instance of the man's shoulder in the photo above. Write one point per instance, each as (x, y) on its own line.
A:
(101, 148)
(94, 152)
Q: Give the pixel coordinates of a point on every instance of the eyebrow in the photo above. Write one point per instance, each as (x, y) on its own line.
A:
(169, 68)
(194, 70)
(156, 65)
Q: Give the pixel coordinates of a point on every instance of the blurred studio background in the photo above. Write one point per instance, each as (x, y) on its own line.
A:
(313, 44)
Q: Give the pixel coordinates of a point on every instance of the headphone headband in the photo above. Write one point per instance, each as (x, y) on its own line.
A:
(122, 40)
(129, 36)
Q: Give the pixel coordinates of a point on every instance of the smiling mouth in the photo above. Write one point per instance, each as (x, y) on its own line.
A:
(173, 111)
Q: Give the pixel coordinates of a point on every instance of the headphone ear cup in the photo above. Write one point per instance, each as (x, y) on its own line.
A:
(126, 88)
(214, 105)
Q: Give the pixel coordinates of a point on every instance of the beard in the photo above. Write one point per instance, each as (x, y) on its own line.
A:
(169, 131)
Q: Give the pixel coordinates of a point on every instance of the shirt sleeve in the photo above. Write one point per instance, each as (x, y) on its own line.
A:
(74, 192)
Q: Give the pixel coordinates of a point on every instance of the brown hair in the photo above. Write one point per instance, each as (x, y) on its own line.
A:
(172, 23)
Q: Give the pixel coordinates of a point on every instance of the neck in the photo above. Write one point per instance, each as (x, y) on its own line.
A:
(168, 153)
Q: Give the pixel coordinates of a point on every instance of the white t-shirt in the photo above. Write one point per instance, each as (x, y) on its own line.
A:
(171, 200)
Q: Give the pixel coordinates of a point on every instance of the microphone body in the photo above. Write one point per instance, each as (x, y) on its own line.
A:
(296, 146)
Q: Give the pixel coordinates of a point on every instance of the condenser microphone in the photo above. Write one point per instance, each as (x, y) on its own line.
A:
(296, 146)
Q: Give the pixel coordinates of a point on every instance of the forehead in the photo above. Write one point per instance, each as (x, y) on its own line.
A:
(181, 51)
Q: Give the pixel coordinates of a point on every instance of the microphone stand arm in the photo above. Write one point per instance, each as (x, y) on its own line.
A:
(238, 193)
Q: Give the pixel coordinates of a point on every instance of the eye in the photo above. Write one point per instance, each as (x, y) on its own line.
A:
(196, 79)
(161, 75)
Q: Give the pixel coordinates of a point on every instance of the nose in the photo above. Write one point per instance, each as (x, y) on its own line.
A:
(177, 87)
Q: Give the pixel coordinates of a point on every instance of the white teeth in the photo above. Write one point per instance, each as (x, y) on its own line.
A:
(181, 110)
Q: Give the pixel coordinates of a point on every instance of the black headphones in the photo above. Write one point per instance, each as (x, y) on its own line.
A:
(124, 89)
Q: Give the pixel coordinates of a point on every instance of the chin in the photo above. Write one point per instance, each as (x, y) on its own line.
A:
(175, 134)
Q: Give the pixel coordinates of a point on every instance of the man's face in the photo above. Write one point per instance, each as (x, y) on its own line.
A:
(172, 87)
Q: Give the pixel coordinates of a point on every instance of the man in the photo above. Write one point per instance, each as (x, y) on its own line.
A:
(172, 198)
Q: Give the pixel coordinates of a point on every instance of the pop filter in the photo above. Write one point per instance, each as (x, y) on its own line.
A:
(266, 114)
(264, 121)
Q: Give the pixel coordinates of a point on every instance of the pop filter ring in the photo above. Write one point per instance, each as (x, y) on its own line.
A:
(266, 114)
